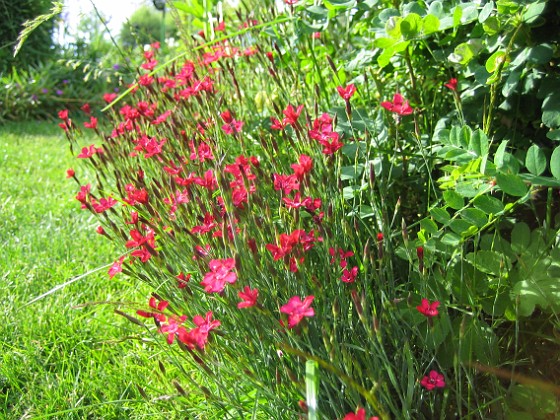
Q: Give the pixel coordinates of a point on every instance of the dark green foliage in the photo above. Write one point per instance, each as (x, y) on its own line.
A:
(39, 46)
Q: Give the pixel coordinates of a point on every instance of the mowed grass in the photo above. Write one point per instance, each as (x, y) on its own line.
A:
(64, 356)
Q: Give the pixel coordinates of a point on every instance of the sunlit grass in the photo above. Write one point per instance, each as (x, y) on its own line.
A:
(63, 356)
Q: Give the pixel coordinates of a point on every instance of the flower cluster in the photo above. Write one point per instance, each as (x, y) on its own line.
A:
(173, 325)
(191, 176)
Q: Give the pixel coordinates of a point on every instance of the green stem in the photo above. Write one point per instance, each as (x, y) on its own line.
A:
(487, 124)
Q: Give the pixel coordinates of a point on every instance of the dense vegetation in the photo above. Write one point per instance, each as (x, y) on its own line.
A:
(341, 207)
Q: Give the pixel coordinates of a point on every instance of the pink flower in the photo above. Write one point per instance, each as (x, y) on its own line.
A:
(89, 151)
(116, 267)
(298, 309)
(248, 296)
(346, 92)
(149, 65)
(173, 328)
(63, 115)
(220, 274)
(199, 336)
(109, 97)
(433, 380)
(316, 35)
(451, 84)
(91, 124)
(428, 309)
(231, 125)
(103, 204)
(398, 106)
(276, 124)
(359, 415)
(349, 276)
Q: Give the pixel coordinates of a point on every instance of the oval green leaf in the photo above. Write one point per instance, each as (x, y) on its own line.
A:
(555, 163)
(535, 161)
(511, 184)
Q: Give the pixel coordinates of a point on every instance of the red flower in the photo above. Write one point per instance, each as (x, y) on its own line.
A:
(158, 306)
(109, 97)
(451, 84)
(428, 309)
(173, 328)
(398, 106)
(70, 173)
(116, 267)
(83, 195)
(161, 118)
(349, 276)
(145, 80)
(134, 196)
(91, 124)
(199, 336)
(433, 380)
(138, 240)
(291, 114)
(316, 35)
(100, 230)
(208, 224)
(86, 108)
(182, 280)
(231, 125)
(298, 309)
(379, 237)
(330, 147)
(303, 167)
(287, 242)
(285, 183)
(63, 115)
(220, 274)
(276, 124)
(89, 151)
(248, 296)
(346, 92)
(149, 65)
(103, 204)
(359, 415)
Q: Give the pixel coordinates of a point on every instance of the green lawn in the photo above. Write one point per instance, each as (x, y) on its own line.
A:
(63, 356)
